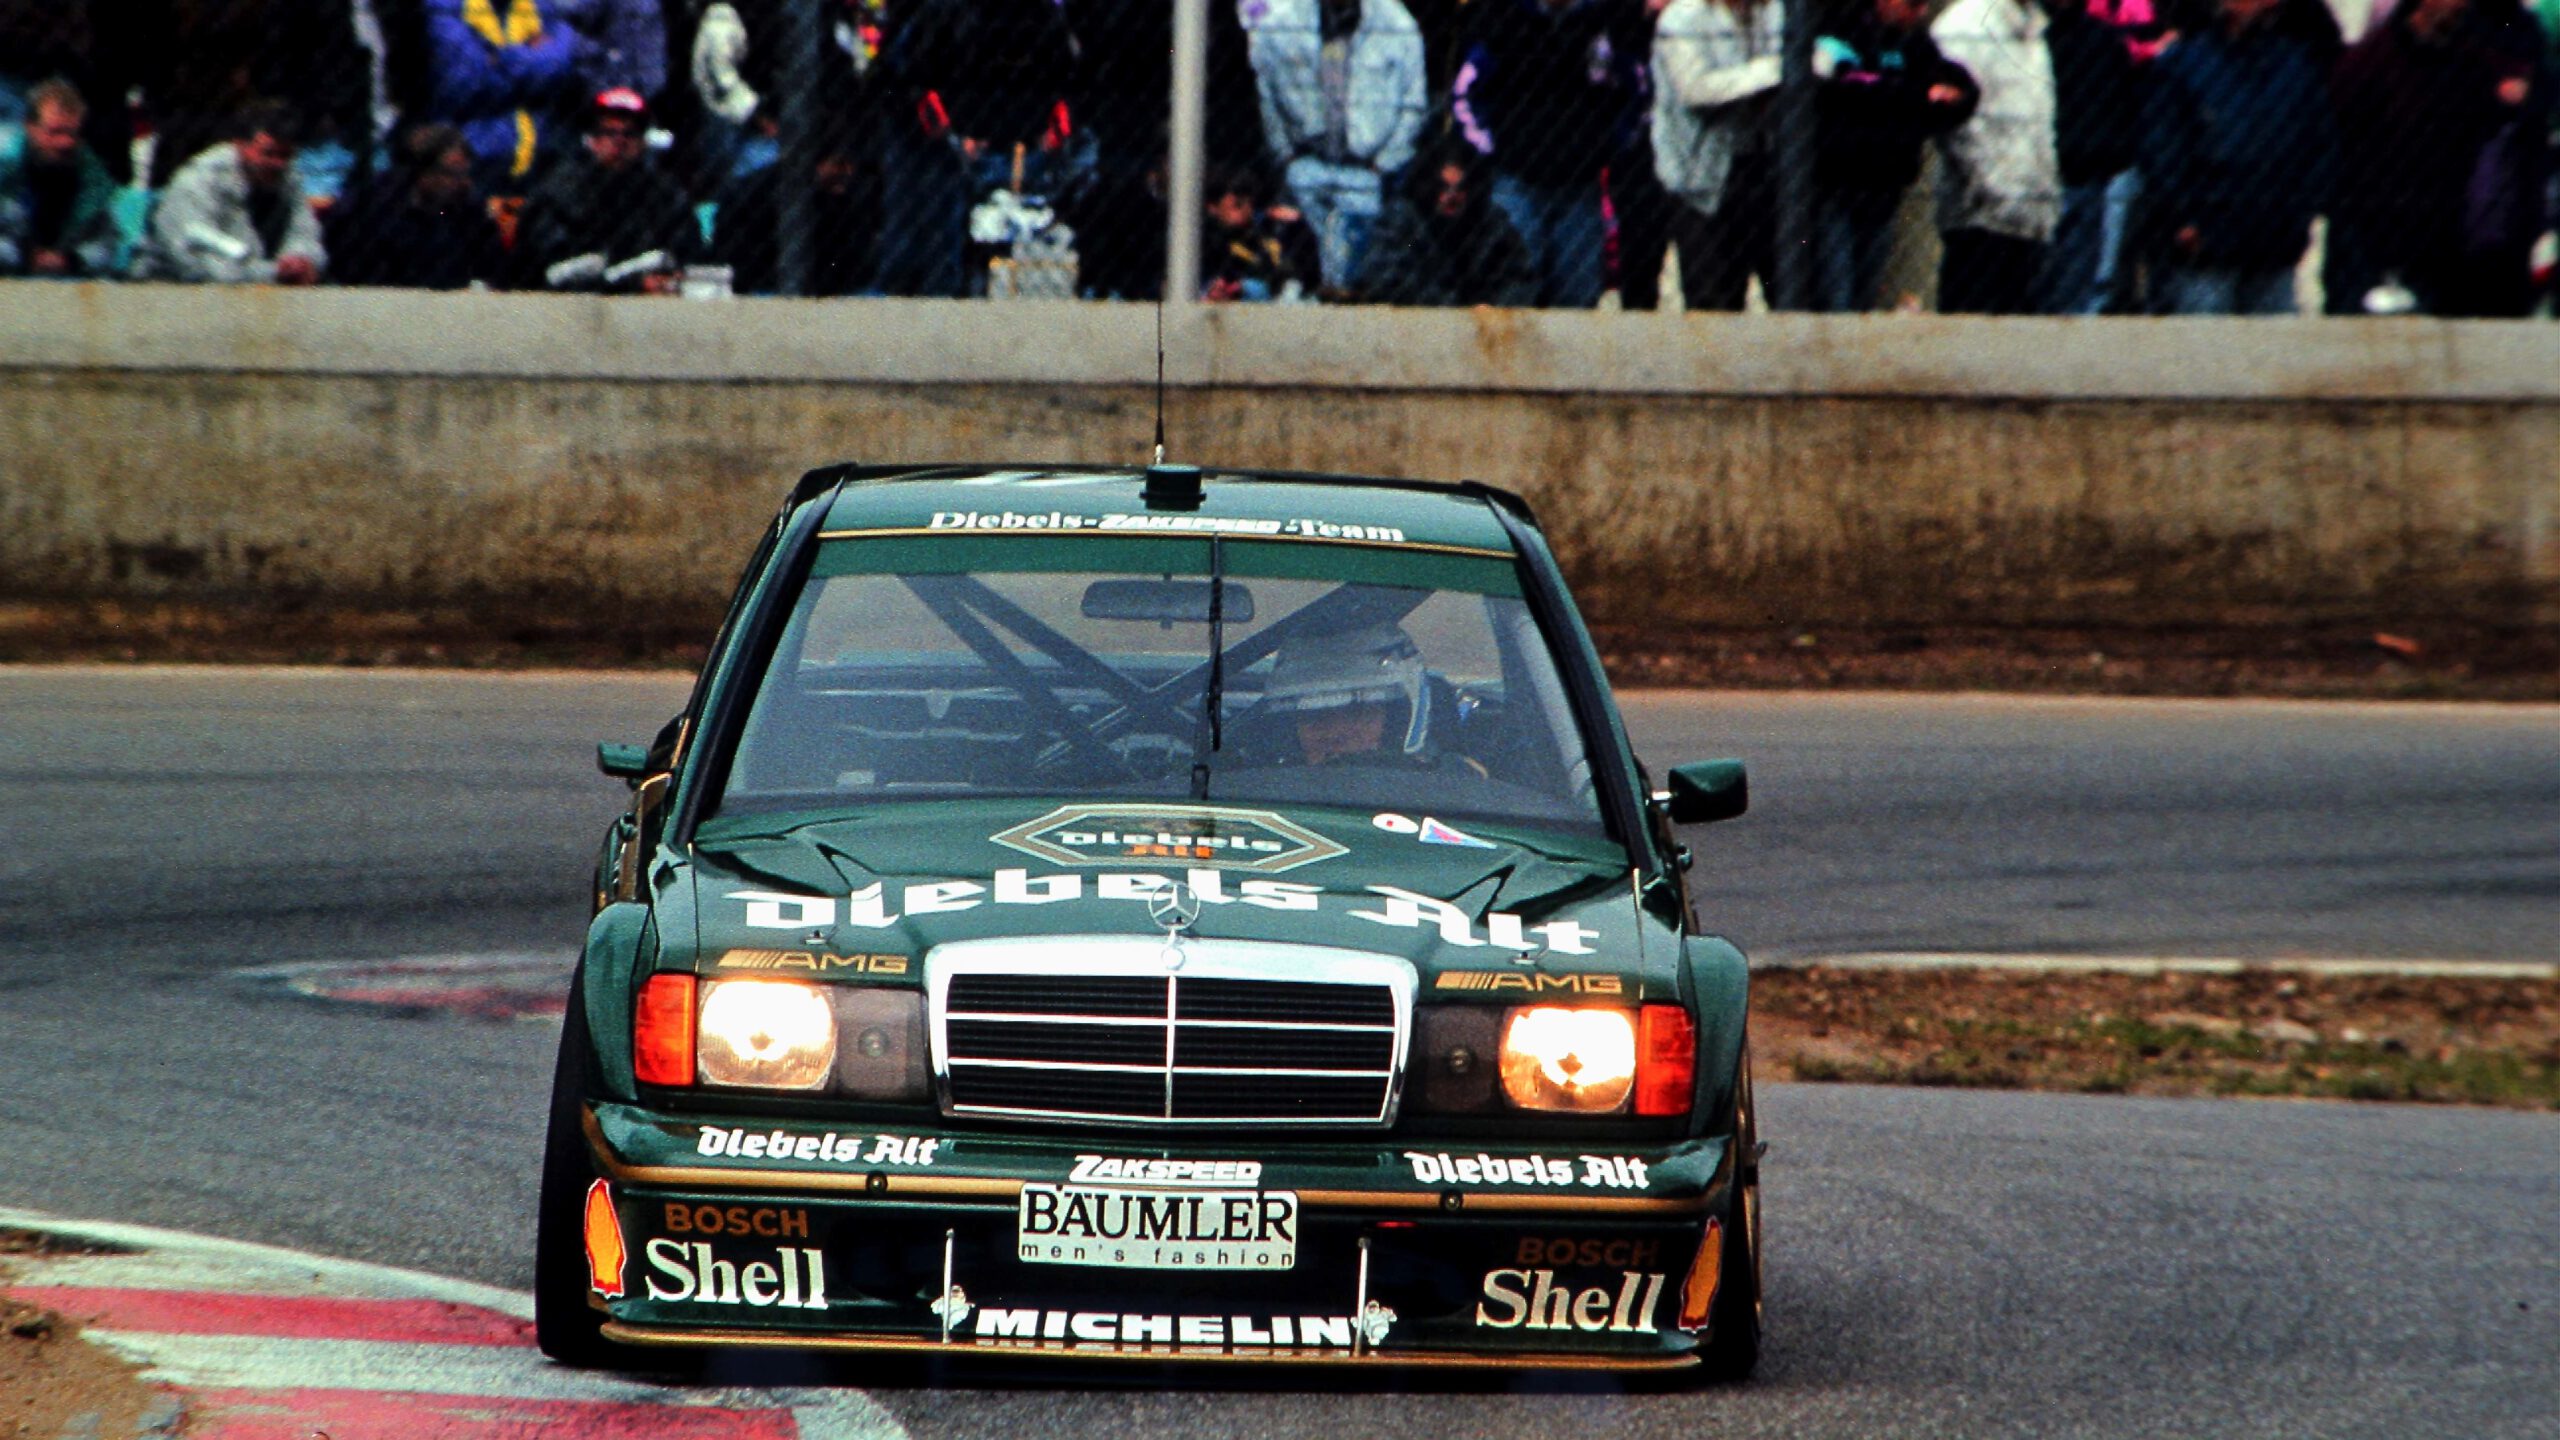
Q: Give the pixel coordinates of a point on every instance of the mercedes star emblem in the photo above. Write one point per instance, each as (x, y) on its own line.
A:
(1174, 906)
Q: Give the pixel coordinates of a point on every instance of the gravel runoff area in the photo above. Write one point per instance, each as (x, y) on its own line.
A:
(2459, 1035)
(52, 1384)
(2378, 659)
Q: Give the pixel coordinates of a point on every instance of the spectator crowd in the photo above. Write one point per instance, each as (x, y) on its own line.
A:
(2089, 156)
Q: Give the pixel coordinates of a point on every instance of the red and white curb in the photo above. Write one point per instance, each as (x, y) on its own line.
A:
(261, 1343)
(504, 985)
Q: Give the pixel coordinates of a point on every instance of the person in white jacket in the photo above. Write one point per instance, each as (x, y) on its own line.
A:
(1343, 101)
(735, 134)
(1715, 74)
(2000, 186)
(236, 212)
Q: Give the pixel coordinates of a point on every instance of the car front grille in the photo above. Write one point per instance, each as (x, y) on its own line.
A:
(1102, 1031)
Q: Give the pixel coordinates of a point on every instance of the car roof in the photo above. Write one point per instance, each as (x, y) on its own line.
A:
(1244, 503)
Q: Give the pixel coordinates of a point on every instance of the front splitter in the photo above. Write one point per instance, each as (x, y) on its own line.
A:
(877, 1184)
(630, 1334)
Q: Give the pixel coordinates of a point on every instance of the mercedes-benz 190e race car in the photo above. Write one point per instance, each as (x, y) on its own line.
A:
(1132, 914)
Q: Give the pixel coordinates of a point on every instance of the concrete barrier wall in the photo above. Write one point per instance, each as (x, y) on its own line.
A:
(570, 454)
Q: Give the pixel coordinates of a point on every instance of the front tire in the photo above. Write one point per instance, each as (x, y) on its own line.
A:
(1732, 1350)
(565, 1326)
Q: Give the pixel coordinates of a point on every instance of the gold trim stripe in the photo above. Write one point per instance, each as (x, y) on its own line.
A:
(1435, 547)
(630, 1334)
(691, 1177)
(1579, 1204)
(694, 1177)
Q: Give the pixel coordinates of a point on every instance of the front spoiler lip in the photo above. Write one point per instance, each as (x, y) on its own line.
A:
(884, 1185)
(655, 1336)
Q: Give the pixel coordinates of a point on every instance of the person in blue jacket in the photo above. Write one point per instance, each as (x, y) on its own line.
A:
(2240, 150)
(512, 75)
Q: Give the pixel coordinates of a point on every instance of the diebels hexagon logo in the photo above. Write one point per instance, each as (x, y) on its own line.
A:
(1189, 835)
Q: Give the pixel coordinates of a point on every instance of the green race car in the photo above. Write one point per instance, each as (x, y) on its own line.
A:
(1119, 914)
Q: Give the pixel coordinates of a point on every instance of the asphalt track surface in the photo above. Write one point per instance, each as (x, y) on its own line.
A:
(1941, 1263)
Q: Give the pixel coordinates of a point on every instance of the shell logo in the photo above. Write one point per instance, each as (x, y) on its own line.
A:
(605, 1254)
(1698, 1294)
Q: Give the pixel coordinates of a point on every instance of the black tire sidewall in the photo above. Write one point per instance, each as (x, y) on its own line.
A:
(566, 1327)
(1733, 1337)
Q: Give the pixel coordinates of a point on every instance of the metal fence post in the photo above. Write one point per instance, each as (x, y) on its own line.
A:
(1189, 145)
(795, 219)
(1791, 286)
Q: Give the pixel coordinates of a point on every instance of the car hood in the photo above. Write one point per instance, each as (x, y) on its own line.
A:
(890, 883)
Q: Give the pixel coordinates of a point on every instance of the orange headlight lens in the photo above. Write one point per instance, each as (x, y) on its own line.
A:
(1666, 1060)
(662, 1031)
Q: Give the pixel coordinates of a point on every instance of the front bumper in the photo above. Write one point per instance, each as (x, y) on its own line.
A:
(809, 1236)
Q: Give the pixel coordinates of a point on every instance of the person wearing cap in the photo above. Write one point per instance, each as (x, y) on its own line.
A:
(609, 220)
(1354, 697)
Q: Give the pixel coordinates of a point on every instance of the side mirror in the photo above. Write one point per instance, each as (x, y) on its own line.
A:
(1706, 791)
(623, 762)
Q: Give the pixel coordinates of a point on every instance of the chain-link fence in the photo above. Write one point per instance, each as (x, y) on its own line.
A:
(1995, 156)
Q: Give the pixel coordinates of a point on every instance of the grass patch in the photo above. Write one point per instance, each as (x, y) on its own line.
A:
(2279, 1034)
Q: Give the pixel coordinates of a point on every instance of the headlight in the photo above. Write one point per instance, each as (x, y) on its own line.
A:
(1559, 1059)
(767, 1033)
(880, 1052)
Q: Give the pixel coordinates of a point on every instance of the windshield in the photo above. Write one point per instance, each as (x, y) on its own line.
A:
(1396, 681)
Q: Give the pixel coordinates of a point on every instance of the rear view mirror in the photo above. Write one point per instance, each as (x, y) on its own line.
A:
(1165, 601)
(623, 762)
(1706, 791)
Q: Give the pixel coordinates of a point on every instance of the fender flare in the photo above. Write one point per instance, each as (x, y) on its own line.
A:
(620, 941)
(1720, 984)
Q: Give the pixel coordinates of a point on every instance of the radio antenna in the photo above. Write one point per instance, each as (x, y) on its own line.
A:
(1159, 377)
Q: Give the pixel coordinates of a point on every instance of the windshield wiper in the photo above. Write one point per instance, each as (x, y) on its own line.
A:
(1217, 644)
(1217, 688)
